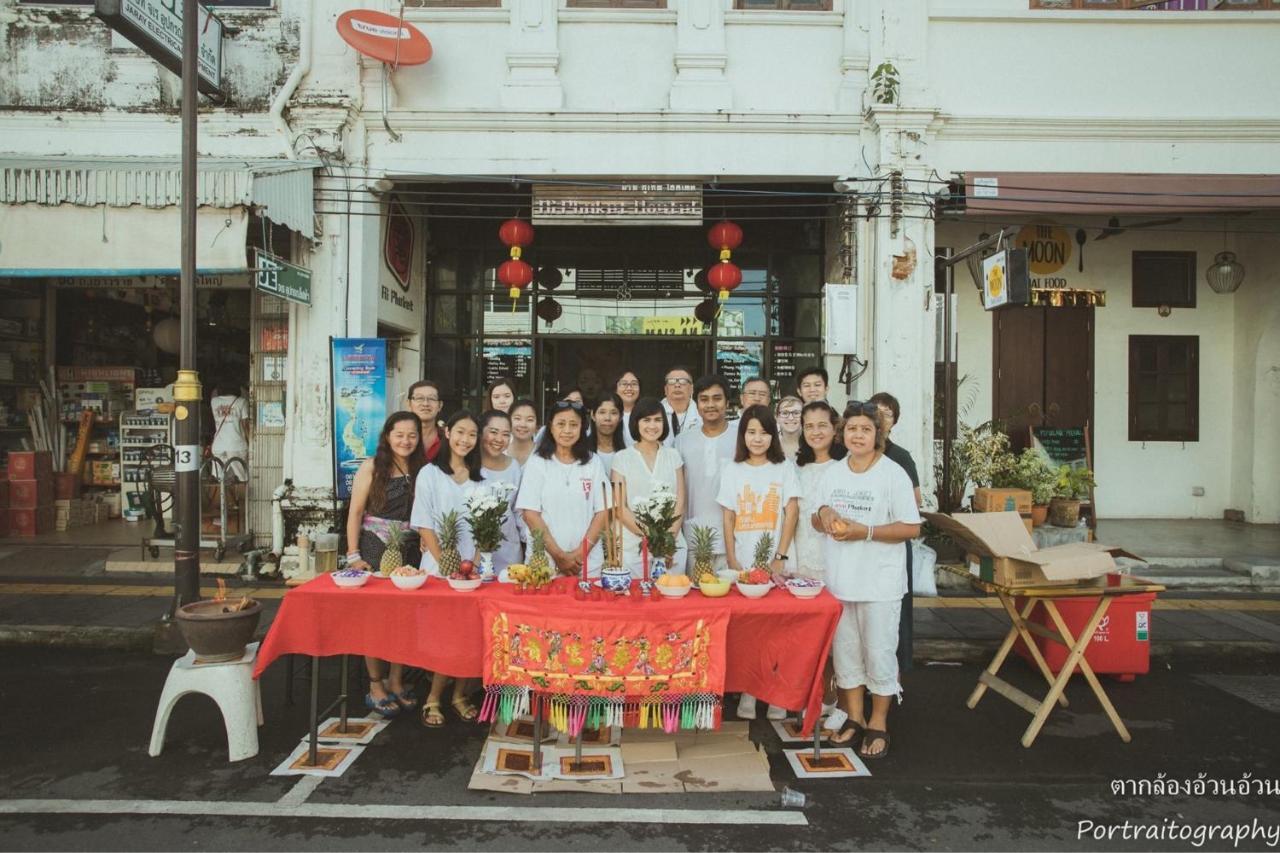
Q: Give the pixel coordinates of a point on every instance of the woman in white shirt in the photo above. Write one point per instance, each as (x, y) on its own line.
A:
(443, 486)
(818, 450)
(524, 426)
(562, 491)
(606, 433)
(789, 413)
(645, 465)
(867, 510)
(496, 465)
(628, 388)
(758, 496)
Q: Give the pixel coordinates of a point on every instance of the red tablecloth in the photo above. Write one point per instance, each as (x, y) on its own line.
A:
(776, 649)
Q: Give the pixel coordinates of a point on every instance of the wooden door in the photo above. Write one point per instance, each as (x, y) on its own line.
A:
(1043, 366)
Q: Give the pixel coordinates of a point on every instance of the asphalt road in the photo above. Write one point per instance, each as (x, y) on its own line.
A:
(77, 726)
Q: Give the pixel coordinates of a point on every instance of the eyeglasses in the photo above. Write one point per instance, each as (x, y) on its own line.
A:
(424, 399)
(632, 384)
(680, 381)
(788, 414)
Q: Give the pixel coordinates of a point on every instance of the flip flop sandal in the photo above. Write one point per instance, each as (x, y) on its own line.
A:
(870, 738)
(465, 710)
(405, 698)
(432, 715)
(852, 741)
(387, 707)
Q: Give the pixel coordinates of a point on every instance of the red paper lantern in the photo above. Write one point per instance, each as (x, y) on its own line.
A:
(724, 277)
(516, 275)
(725, 236)
(516, 233)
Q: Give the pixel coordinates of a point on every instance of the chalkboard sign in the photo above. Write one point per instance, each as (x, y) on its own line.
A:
(507, 360)
(1063, 445)
(789, 359)
(738, 361)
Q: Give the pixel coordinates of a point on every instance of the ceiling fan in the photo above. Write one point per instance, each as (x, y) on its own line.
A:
(1114, 227)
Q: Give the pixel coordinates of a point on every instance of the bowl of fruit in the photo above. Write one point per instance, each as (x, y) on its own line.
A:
(350, 578)
(408, 577)
(465, 579)
(755, 583)
(804, 587)
(714, 586)
(673, 585)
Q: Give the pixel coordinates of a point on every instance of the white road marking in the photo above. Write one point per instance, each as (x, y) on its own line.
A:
(373, 811)
(297, 795)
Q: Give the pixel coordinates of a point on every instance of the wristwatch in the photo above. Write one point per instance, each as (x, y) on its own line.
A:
(778, 556)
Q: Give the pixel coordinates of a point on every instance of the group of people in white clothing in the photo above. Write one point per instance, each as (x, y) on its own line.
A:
(835, 496)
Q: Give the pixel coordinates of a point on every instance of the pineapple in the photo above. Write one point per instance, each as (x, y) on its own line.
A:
(539, 565)
(704, 545)
(393, 557)
(764, 553)
(450, 559)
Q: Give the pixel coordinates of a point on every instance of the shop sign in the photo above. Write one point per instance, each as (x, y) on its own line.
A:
(95, 374)
(673, 326)
(507, 360)
(274, 337)
(1048, 248)
(397, 249)
(359, 404)
(995, 278)
(281, 278)
(220, 281)
(155, 26)
(738, 361)
(271, 414)
(634, 203)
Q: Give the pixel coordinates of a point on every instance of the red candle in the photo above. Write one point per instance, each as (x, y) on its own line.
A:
(644, 557)
(585, 552)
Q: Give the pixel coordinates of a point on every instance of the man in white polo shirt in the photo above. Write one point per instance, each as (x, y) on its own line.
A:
(706, 449)
(677, 401)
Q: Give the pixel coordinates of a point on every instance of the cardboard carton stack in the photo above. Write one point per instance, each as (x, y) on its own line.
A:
(31, 510)
(1004, 500)
(4, 501)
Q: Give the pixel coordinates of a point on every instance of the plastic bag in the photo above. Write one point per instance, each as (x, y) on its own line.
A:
(924, 560)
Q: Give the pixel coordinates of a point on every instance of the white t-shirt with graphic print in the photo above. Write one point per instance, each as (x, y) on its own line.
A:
(758, 495)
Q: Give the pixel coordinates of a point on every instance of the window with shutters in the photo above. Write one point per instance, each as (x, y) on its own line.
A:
(1164, 388)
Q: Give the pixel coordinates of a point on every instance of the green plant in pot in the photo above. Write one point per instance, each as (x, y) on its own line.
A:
(1070, 484)
(1034, 473)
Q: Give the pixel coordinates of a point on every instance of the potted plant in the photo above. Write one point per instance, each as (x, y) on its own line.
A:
(1036, 475)
(1070, 484)
(985, 457)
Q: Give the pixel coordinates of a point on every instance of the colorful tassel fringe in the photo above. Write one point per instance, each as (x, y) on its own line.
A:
(571, 713)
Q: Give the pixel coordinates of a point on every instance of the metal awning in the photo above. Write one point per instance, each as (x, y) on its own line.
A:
(1103, 193)
(280, 190)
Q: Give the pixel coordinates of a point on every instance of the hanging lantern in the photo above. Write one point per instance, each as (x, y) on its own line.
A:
(1225, 273)
(724, 277)
(706, 311)
(549, 310)
(725, 236)
(517, 234)
(549, 278)
(516, 275)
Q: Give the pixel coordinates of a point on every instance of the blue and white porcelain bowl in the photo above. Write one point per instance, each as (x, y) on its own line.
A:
(616, 579)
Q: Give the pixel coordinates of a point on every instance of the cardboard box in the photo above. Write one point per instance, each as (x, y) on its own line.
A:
(1001, 551)
(31, 522)
(66, 485)
(29, 494)
(30, 465)
(1002, 500)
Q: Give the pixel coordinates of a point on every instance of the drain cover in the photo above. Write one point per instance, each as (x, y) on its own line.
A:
(1260, 690)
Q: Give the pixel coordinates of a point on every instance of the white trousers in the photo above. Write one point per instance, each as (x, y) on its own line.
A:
(865, 650)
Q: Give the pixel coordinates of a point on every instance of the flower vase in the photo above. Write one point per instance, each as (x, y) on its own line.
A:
(657, 568)
(487, 574)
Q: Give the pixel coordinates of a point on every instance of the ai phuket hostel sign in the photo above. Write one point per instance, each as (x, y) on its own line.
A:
(155, 26)
(625, 203)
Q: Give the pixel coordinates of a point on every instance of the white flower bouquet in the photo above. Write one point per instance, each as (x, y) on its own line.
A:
(487, 508)
(656, 515)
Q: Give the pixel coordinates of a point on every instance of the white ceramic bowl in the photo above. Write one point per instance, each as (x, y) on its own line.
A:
(409, 581)
(673, 591)
(811, 590)
(754, 590)
(350, 579)
(469, 585)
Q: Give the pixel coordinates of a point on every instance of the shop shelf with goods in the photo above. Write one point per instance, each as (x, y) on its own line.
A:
(146, 440)
(93, 399)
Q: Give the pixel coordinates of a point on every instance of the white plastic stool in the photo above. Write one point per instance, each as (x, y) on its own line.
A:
(230, 684)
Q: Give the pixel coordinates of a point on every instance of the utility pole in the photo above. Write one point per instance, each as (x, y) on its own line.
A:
(186, 390)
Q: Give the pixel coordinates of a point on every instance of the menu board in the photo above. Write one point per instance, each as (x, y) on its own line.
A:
(738, 361)
(789, 358)
(508, 360)
(1063, 446)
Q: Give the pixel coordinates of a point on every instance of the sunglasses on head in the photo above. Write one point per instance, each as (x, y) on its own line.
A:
(857, 407)
(561, 405)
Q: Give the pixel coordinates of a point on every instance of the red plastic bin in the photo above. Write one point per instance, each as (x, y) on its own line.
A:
(1121, 644)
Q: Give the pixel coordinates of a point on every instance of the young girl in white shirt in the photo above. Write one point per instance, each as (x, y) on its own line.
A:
(758, 495)
(443, 486)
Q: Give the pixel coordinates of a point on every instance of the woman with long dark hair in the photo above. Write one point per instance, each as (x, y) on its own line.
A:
(819, 448)
(496, 465)
(381, 499)
(606, 434)
(500, 395)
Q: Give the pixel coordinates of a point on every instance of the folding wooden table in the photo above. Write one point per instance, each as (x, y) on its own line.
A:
(1106, 589)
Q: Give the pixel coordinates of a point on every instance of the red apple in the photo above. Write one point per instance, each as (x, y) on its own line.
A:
(466, 567)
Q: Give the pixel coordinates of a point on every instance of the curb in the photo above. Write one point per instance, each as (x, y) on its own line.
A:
(114, 638)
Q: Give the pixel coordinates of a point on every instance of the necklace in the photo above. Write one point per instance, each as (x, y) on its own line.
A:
(874, 457)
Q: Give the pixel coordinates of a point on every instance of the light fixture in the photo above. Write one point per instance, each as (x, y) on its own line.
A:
(1225, 273)
(1164, 310)
(381, 186)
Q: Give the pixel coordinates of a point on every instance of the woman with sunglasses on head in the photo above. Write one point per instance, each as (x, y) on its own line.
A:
(640, 469)
(501, 395)
(496, 465)
(789, 413)
(562, 491)
(524, 427)
(444, 486)
(381, 498)
(606, 432)
(758, 495)
(866, 511)
(424, 401)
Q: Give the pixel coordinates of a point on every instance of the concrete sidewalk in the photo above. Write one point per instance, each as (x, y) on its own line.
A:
(118, 614)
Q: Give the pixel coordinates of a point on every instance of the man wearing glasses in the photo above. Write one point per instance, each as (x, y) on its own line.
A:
(424, 401)
(677, 400)
(755, 392)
